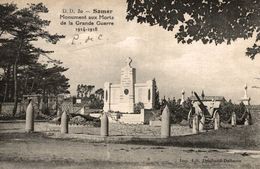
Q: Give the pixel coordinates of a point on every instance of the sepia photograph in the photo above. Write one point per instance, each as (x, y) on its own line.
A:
(130, 84)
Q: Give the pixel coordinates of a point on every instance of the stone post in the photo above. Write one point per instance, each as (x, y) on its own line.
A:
(233, 119)
(64, 123)
(29, 122)
(202, 123)
(166, 125)
(104, 125)
(216, 121)
(195, 124)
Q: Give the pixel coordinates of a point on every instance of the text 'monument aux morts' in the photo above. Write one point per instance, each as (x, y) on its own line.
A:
(87, 20)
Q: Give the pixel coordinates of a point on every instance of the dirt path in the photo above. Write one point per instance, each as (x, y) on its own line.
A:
(19, 150)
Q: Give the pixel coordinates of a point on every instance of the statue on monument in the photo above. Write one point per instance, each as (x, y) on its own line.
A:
(128, 62)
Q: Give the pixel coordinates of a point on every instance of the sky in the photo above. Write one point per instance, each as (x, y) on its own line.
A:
(221, 70)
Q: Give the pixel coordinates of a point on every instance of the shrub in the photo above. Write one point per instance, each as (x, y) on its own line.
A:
(179, 112)
(138, 106)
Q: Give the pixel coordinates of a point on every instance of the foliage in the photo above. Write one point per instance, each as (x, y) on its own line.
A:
(44, 79)
(22, 116)
(227, 108)
(84, 90)
(138, 106)
(96, 103)
(157, 104)
(19, 29)
(240, 109)
(179, 111)
(99, 93)
(94, 98)
(209, 21)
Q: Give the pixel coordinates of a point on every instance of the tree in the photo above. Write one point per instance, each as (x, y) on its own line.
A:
(175, 110)
(99, 93)
(211, 21)
(6, 19)
(84, 90)
(89, 89)
(28, 57)
(6, 57)
(240, 110)
(24, 26)
(78, 90)
(226, 109)
(47, 80)
(179, 111)
(157, 104)
(81, 90)
(94, 99)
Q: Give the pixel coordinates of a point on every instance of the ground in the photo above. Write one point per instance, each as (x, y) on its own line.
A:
(128, 146)
(19, 150)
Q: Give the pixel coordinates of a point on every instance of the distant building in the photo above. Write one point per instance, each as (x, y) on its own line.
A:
(209, 101)
(49, 102)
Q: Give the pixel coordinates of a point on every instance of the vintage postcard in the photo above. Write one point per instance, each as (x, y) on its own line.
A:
(129, 84)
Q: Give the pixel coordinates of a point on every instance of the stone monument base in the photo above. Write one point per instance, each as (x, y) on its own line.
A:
(126, 118)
